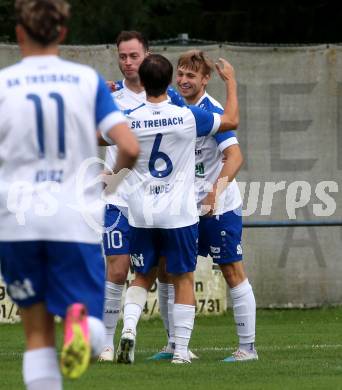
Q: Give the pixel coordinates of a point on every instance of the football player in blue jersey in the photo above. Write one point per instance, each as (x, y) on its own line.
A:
(129, 93)
(51, 257)
(218, 160)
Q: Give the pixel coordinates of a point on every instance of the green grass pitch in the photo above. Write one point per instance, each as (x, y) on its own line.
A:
(298, 349)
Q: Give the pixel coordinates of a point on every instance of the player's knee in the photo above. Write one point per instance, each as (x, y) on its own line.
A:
(117, 269)
(183, 279)
(183, 285)
(117, 276)
(145, 280)
(233, 273)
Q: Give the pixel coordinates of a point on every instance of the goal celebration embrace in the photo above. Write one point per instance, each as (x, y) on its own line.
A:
(114, 187)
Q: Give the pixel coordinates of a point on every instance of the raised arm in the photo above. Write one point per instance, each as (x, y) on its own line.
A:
(230, 118)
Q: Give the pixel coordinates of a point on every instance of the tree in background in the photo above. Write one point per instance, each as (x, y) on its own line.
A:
(7, 21)
(291, 21)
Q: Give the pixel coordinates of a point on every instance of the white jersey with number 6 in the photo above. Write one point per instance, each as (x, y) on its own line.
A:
(161, 185)
(126, 101)
(49, 112)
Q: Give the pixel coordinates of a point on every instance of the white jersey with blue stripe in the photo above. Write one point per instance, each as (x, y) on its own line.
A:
(50, 110)
(128, 100)
(161, 185)
(209, 161)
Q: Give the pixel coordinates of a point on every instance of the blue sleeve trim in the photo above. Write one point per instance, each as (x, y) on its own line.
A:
(221, 137)
(207, 105)
(175, 97)
(204, 121)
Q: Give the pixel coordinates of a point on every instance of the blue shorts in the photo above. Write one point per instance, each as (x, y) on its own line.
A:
(116, 239)
(57, 273)
(178, 245)
(220, 237)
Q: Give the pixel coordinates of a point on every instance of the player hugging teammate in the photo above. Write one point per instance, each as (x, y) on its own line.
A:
(160, 176)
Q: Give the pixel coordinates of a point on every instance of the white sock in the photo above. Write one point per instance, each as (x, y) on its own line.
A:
(244, 309)
(134, 303)
(43, 384)
(97, 335)
(41, 369)
(112, 308)
(183, 317)
(163, 304)
(170, 306)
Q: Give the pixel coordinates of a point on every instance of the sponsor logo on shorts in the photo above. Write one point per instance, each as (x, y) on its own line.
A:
(215, 249)
(239, 249)
(21, 290)
(137, 260)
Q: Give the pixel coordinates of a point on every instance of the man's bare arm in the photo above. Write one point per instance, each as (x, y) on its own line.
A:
(127, 144)
(233, 160)
(230, 118)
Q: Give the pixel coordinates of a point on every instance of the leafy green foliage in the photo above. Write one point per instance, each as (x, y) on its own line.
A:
(7, 21)
(99, 21)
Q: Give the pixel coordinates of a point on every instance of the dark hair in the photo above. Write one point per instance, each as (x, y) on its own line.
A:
(125, 36)
(196, 60)
(155, 74)
(42, 19)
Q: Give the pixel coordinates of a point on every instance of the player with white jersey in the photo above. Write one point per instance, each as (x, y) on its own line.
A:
(50, 255)
(161, 202)
(129, 94)
(218, 160)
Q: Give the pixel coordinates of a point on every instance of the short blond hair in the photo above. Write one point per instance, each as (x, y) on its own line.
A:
(196, 60)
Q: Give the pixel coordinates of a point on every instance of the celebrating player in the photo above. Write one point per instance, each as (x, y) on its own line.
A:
(218, 160)
(129, 93)
(51, 258)
(162, 206)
